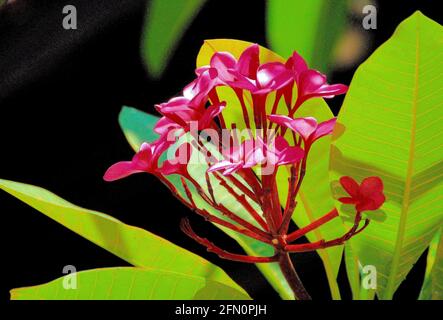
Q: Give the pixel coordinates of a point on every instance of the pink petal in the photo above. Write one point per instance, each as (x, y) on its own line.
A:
(350, 185)
(371, 185)
(273, 74)
(164, 125)
(253, 158)
(142, 159)
(297, 64)
(281, 120)
(249, 62)
(210, 113)
(120, 170)
(291, 155)
(224, 164)
(329, 91)
(232, 169)
(304, 126)
(324, 128)
(310, 81)
(280, 144)
(169, 168)
(223, 61)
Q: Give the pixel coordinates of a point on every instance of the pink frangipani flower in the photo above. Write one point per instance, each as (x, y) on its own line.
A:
(281, 153)
(180, 111)
(307, 128)
(145, 160)
(247, 155)
(311, 83)
(366, 196)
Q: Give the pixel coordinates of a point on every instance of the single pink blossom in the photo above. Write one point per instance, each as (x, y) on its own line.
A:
(180, 111)
(281, 153)
(307, 128)
(247, 155)
(145, 160)
(311, 83)
(367, 196)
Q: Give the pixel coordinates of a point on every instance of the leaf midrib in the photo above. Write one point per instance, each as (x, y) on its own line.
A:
(390, 288)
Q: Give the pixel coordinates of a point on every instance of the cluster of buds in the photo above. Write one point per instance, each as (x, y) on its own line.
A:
(267, 96)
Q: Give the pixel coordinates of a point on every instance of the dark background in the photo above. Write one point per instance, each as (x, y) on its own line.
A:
(60, 95)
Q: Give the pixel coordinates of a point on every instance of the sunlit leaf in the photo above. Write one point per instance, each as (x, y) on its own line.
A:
(130, 284)
(137, 246)
(433, 285)
(310, 27)
(166, 21)
(391, 120)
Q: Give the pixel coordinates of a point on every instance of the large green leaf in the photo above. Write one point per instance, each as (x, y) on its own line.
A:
(433, 285)
(166, 21)
(310, 27)
(130, 284)
(391, 119)
(131, 120)
(315, 198)
(137, 246)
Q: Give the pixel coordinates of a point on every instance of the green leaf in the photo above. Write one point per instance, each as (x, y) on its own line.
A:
(138, 126)
(391, 119)
(125, 283)
(253, 247)
(310, 27)
(137, 246)
(166, 22)
(315, 199)
(433, 285)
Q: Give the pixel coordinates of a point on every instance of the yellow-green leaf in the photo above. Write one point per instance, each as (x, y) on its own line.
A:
(137, 246)
(166, 21)
(310, 27)
(433, 285)
(125, 283)
(391, 119)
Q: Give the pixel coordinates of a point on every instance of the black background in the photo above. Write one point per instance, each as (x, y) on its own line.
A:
(60, 95)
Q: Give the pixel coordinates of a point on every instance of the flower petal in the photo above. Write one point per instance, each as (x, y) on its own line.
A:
(249, 62)
(304, 126)
(350, 185)
(324, 128)
(120, 170)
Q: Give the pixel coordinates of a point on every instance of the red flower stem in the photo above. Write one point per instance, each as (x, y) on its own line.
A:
(243, 188)
(245, 225)
(322, 244)
(268, 213)
(186, 228)
(239, 93)
(238, 183)
(242, 200)
(251, 179)
(260, 235)
(313, 225)
(292, 277)
(290, 200)
(274, 107)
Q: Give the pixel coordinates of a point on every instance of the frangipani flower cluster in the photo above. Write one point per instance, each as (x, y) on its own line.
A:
(246, 165)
